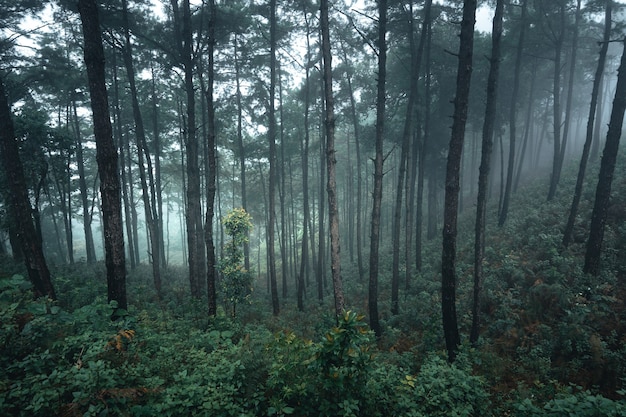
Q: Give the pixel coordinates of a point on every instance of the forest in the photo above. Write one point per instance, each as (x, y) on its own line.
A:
(312, 208)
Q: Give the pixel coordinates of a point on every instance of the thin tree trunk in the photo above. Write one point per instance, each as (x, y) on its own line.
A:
(272, 159)
(570, 89)
(378, 169)
(595, 147)
(195, 244)
(421, 174)
(597, 81)
(512, 116)
(556, 106)
(448, 254)
(82, 185)
(485, 163)
(157, 171)
(331, 186)
(416, 60)
(241, 146)
(605, 177)
(305, 172)
(212, 164)
(122, 144)
(143, 155)
(21, 210)
(527, 129)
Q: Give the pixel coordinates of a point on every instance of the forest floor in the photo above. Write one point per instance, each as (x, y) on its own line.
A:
(553, 340)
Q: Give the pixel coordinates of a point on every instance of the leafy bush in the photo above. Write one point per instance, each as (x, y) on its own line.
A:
(582, 404)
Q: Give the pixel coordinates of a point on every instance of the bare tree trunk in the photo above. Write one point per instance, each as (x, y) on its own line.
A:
(143, 155)
(20, 207)
(378, 169)
(605, 177)
(106, 155)
(512, 116)
(304, 259)
(195, 245)
(556, 107)
(485, 163)
(448, 254)
(212, 163)
(241, 146)
(597, 81)
(416, 60)
(157, 172)
(272, 157)
(331, 186)
(82, 185)
(123, 144)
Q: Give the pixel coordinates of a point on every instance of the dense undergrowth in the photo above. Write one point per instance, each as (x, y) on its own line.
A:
(553, 341)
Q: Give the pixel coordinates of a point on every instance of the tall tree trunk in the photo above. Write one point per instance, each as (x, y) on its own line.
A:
(82, 186)
(212, 163)
(19, 203)
(241, 146)
(143, 155)
(556, 106)
(359, 179)
(528, 128)
(321, 209)
(595, 146)
(512, 116)
(304, 257)
(570, 88)
(424, 145)
(282, 194)
(126, 184)
(106, 155)
(605, 177)
(378, 169)
(485, 162)
(597, 81)
(448, 254)
(416, 60)
(272, 156)
(158, 200)
(331, 186)
(195, 245)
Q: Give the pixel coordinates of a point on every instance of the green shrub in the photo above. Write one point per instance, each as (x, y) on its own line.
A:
(582, 404)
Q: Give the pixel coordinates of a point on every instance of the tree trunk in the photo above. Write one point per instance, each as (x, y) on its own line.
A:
(605, 177)
(129, 208)
(421, 173)
(106, 155)
(527, 129)
(485, 162)
(271, 133)
(149, 198)
(512, 122)
(448, 254)
(82, 185)
(556, 106)
(416, 61)
(195, 245)
(570, 89)
(597, 81)
(304, 257)
(157, 186)
(19, 203)
(359, 179)
(378, 169)
(241, 146)
(212, 163)
(331, 186)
